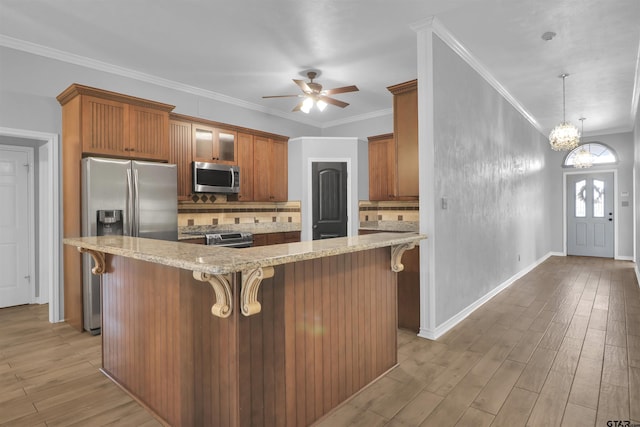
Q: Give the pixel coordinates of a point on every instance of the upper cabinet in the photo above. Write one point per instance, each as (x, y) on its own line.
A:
(245, 164)
(181, 154)
(214, 145)
(382, 164)
(405, 132)
(111, 124)
(270, 163)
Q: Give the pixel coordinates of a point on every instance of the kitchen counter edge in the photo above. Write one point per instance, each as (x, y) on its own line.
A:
(220, 260)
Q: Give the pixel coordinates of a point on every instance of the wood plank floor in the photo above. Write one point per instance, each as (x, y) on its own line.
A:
(560, 347)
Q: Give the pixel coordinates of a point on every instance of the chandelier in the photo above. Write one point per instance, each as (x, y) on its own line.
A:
(565, 136)
(583, 158)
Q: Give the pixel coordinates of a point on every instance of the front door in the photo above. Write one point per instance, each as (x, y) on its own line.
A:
(329, 187)
(15, 286)
(590, 230)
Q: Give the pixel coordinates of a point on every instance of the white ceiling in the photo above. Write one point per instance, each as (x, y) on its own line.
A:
(243, 49)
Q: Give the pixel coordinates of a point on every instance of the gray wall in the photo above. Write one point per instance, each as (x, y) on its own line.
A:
(491, 166)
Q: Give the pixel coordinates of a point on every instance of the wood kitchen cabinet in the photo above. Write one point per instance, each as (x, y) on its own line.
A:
(245, 163)
(270, 183)
(116, 125)
(214, 145)
(181, 154)
(265, 239)
(382, 164)
(405, 133)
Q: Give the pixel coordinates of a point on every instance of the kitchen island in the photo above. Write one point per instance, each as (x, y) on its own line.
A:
(276, 335)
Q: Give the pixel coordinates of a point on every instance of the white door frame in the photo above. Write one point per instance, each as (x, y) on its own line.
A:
(615, 205)
(31, 255)
(49, 236)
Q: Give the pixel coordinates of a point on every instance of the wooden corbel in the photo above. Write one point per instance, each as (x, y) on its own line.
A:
(396, 255)
(222, 288)
(98, 259)
(251, 280)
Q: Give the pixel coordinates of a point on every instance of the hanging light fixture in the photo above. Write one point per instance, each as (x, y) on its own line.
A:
(565, 136)
(583, 158)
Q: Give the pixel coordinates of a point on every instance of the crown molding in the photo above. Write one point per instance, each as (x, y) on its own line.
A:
(434, 24)
(94, 64)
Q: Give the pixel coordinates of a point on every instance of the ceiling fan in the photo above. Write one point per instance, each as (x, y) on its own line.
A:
(314, 94)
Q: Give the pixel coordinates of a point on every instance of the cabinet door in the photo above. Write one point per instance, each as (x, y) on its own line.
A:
(180, 153)
(405, 114)
(275, 238)
(261, 168)
(382, 168)
(259, 240)
(103, 127)
(203, 137)
(226, 146)
(291, 236)
(279, 177)
(148, 136)
(245, 163)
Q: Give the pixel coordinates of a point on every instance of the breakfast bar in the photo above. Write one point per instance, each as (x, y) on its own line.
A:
(273, 336)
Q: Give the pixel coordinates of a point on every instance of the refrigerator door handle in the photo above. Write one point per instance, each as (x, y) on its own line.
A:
(129, 216)
(136, 207)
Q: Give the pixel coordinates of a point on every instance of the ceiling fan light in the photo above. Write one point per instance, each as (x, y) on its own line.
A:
(321, 105)
(306, 105)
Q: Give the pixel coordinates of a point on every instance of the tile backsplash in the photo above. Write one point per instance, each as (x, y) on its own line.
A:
(388, 211)
(220, 212)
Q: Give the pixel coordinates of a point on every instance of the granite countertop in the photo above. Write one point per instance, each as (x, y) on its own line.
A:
(195, 231)
(217, 260)
(393, 226)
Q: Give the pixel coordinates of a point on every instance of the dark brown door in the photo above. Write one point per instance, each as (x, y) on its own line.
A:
(329, 186)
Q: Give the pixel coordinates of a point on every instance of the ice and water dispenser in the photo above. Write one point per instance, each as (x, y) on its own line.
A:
(109, 222)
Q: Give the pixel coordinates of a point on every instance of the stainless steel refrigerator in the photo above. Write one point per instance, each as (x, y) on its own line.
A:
(127, 197)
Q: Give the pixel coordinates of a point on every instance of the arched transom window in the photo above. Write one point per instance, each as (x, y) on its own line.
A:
(600, 153)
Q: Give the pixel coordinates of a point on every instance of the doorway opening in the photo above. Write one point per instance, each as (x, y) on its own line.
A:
(47, 205)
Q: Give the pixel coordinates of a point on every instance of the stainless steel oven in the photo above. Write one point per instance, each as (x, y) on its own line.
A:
(230, 239)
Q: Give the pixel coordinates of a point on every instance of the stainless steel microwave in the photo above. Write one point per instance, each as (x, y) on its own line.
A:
(215, 178)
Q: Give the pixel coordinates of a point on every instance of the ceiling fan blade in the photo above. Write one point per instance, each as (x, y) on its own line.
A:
(298, 107)
(341, 90)
(281, 96)
(303, 85)
(332, 101)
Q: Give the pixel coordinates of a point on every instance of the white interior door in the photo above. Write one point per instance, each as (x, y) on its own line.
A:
(15, 286)
(590, 230)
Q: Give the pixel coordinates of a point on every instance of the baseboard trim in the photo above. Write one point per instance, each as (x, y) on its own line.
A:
(433, 334)
(637, 275)
(624, 258)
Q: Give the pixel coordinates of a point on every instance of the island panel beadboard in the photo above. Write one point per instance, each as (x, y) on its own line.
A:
(326, 329)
